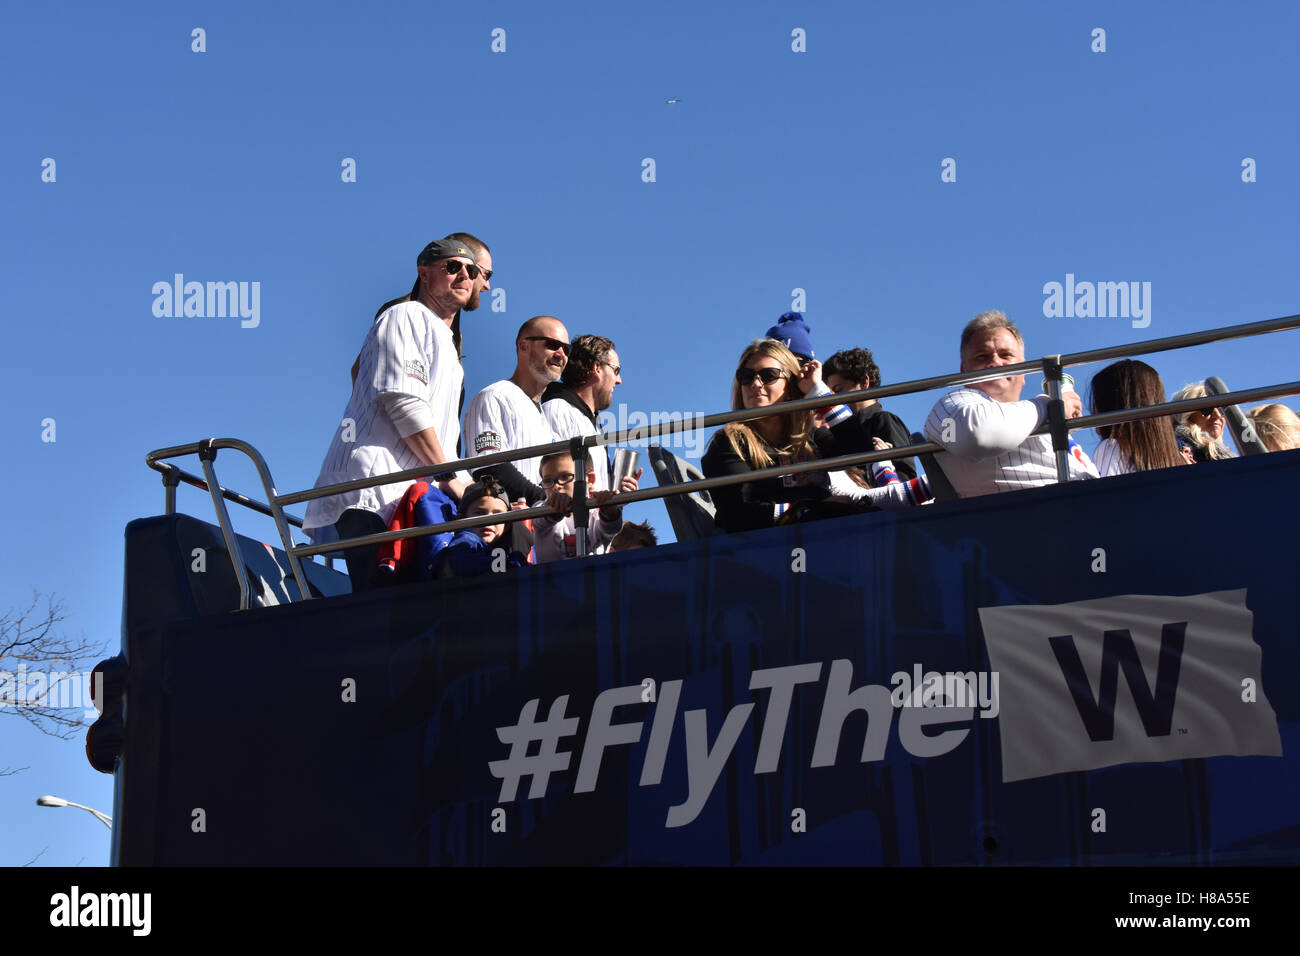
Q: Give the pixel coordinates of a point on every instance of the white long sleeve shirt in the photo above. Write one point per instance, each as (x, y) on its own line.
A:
(990, 448)
(408, 354)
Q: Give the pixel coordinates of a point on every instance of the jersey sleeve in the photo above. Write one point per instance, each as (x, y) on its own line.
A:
(404, 354)
(974, 428)
(485, 425)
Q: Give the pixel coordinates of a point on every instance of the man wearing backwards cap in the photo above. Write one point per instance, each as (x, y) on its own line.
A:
(402, 412)
(482, 258)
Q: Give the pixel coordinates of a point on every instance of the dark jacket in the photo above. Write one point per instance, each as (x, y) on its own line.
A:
(874, 422)
(750, 505)
(469, 555)
(558, 391)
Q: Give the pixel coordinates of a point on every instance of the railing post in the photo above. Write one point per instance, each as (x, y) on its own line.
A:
(580, 509)
(170, 478)
(1052, 374)
(277, 515)
(207, 455)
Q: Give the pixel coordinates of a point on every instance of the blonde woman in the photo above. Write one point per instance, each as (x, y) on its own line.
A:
(1277, 426)
(1205, 425)
(768, 375)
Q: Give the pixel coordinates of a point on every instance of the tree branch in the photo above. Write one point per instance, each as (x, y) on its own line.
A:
(31, 644)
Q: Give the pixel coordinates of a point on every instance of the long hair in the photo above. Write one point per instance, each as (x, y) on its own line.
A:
(1147, 444)
(1215, 449)
(796, 427)
(1277, 426)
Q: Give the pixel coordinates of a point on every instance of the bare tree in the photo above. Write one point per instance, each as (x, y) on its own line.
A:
(31, 644)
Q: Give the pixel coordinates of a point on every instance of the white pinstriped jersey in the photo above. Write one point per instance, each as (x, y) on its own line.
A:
(990, 448)
(1110, 460)
(408, 351)
(502, 417)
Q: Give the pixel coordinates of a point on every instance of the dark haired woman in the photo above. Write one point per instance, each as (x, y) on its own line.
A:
(1132, 446)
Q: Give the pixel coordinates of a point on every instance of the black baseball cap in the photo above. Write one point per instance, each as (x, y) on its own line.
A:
(444, 249)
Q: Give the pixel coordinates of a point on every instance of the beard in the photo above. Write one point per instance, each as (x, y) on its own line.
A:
(546, 372)
(472, 304)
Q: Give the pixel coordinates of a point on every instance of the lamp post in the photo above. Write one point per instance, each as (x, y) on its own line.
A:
(49, 801)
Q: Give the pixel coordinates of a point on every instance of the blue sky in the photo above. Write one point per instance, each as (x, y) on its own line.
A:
(776, 170)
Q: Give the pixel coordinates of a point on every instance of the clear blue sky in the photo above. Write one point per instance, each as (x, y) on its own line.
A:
(775, 170)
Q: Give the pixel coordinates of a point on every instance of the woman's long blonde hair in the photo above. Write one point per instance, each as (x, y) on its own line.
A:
(796, 427)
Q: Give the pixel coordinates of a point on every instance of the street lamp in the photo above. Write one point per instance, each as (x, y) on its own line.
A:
(49, 801)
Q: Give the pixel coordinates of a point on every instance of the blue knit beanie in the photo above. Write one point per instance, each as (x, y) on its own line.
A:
(792, 332)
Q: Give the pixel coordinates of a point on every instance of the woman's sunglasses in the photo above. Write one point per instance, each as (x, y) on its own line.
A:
(746, 376)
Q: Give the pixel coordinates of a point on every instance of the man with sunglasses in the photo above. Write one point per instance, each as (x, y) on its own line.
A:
(482, 283)
(586, 388)
(402, 412)
(507, 414)
(985, 426)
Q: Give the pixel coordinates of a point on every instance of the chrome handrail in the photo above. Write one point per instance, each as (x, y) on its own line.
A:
(207, 451)
(1056, 425)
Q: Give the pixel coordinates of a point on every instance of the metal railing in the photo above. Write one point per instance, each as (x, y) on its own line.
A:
(207, 452)
(1056, 425)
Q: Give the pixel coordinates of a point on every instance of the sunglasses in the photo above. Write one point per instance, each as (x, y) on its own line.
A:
(453, 267)
(1207, 412)
(551, 343)
(746, 376)
(616, 369)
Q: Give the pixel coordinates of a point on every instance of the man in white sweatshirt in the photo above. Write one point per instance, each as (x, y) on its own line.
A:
(986, 427)
(402, 411)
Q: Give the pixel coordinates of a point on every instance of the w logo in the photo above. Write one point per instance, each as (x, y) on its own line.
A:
(1155, 708)
(1136, 678)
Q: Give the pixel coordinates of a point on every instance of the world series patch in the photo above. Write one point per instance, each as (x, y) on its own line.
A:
(415, 369)
(487, 441)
